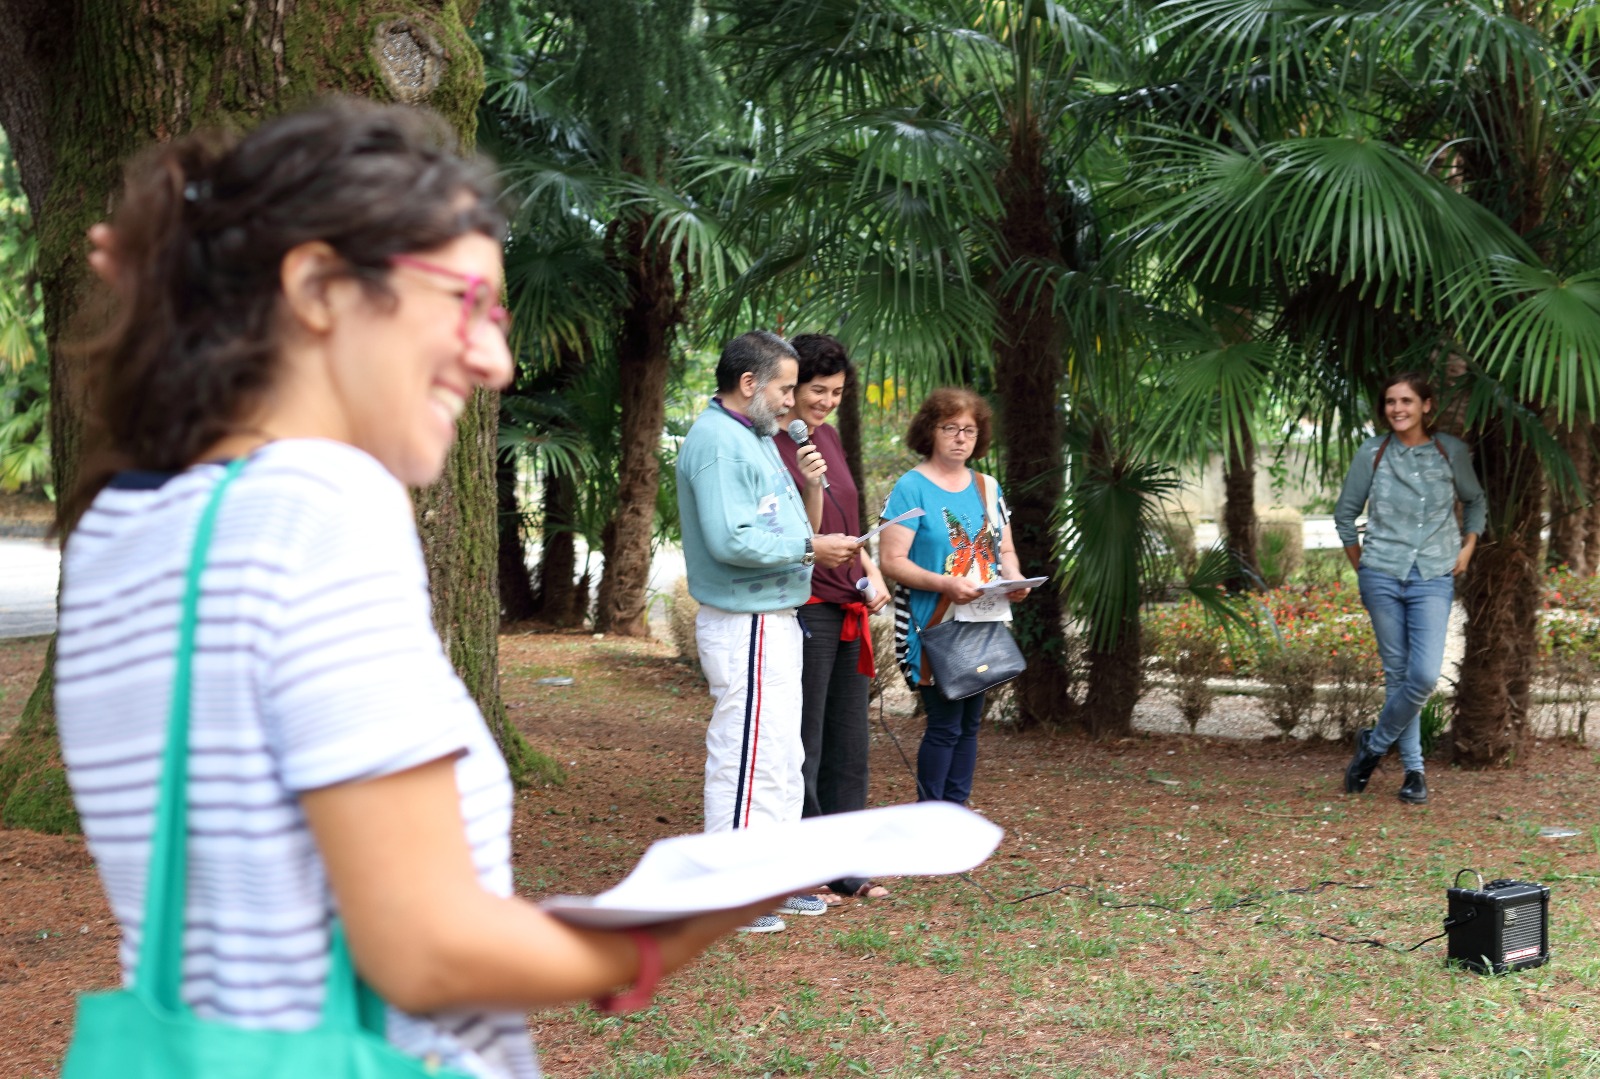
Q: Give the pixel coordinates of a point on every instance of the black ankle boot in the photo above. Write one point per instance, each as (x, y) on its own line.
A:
(1415, 788)
(1359, 771)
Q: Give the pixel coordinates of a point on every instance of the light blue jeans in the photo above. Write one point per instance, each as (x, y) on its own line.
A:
(1409, 619)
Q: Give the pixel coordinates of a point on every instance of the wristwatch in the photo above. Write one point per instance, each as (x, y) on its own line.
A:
(810, 557)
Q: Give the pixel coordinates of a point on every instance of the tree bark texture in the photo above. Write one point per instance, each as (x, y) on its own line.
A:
(90, 83)
(1028, 374)
(1569, 514)
(1500, 593)
(1239, 523)
(1591, 515)
(644, 359)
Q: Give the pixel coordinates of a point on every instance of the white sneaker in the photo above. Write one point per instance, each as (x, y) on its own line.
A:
(767, 923)
(808, 905)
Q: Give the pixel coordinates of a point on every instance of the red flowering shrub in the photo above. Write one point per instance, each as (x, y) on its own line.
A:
(1570, 621)
(1326, 620)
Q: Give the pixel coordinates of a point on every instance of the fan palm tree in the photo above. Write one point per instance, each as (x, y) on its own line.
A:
(606, 120)
(1431, 205)
(923, 196)
(24, 378)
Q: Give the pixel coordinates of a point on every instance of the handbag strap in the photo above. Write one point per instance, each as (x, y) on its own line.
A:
(940, 608)
(158, 978)
(159, 972)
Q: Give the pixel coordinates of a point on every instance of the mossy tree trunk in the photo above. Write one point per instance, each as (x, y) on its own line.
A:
(88, 84)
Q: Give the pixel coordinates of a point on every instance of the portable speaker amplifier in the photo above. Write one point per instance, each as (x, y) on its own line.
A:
(1500, 926)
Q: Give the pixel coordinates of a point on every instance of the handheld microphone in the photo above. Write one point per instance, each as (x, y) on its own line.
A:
(802, 438)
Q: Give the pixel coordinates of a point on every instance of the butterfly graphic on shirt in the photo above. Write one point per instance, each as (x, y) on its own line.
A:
(969, 551)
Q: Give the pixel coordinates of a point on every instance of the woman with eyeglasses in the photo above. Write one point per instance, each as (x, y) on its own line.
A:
(962, 540)
(303, 315)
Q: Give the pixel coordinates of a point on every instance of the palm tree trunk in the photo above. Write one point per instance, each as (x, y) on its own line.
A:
(1591, 517)
(1239, 524)
(1116, 678)
(850, 436)
(558, 560)
(517, 603)
(1501, 597)
(1028, 374)
(1569, 525)
(644, 354)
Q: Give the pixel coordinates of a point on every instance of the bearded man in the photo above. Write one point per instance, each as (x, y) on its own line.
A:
(749, 549)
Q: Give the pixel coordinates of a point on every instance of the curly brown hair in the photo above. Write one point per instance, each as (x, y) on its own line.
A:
(939, 406)
(202, 231)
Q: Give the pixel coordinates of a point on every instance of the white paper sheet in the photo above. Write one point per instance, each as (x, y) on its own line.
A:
(906, 516)
(692, 874)
(1012, 585)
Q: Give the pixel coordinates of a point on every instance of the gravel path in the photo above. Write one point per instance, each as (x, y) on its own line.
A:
(29, 570)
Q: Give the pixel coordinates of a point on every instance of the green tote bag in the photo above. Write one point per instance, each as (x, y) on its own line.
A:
(146, 1031)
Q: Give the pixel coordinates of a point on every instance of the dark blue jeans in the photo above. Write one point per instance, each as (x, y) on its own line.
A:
(949, 752)
(1409, 619)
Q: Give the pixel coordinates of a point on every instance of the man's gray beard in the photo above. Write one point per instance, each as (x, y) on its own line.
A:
(762, 420)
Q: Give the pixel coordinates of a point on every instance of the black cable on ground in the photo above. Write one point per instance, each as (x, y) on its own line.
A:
(1254, 899)
(1374, 942)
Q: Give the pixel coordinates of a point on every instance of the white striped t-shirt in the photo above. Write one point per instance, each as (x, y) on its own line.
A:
(316, 663)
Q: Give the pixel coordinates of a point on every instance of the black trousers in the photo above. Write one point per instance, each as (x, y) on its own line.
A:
(833, 717)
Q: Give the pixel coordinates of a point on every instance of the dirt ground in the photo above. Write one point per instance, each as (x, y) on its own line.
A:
(1145, 816)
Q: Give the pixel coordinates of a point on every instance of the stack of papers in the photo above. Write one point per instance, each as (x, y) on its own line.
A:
(1011, 584)
(694, 874)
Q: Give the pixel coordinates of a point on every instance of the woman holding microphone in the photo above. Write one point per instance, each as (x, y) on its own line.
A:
(838, 647)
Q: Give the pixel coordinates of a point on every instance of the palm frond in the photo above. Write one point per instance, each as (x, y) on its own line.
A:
(1536, 330)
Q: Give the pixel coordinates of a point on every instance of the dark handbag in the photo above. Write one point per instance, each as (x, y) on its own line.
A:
(969, 657)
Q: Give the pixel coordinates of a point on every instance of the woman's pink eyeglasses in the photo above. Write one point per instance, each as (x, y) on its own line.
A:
(479, 304)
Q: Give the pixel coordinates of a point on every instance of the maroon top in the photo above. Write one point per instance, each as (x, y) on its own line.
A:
(840, 512)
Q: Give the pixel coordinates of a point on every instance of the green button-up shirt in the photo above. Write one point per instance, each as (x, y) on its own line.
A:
(1410, 496)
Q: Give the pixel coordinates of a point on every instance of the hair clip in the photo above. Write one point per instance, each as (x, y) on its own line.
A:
(195, 190)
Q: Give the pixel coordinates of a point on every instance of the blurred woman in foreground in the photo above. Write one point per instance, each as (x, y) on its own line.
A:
(318, 302)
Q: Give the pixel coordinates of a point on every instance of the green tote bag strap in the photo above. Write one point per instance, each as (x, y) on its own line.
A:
(159, 972)
(159, 975)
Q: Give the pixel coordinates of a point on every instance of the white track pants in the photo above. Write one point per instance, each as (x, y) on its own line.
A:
(753, 749)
